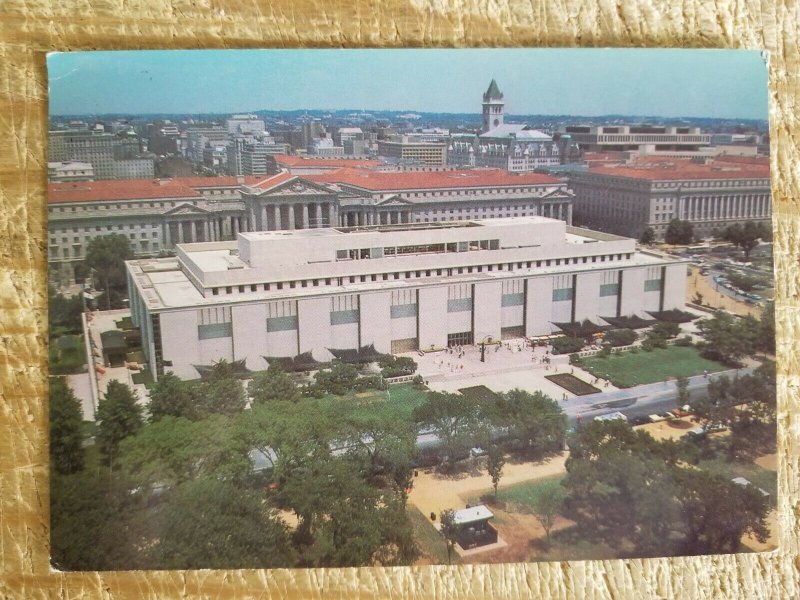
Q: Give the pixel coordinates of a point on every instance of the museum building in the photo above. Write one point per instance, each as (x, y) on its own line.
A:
(397, 288)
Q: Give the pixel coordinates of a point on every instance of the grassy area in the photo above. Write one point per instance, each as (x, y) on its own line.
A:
(758, 476)
(627, 369)
(397, 404)
(430, 542)
(124, 323)
(144, 376)
(524, 493)
(64, 361)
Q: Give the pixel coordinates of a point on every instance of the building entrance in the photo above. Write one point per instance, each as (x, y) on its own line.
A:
(404, 345)
(459, 339)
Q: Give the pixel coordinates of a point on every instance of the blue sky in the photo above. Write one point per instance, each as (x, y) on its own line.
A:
(668, 83)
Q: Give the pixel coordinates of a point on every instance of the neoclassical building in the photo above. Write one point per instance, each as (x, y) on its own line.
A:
(158, 214)
(627, 199)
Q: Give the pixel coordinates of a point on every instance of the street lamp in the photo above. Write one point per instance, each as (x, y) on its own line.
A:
(483, 347)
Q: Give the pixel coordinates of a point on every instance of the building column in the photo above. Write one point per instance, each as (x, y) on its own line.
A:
(306, 223)
(318, 215)
(569, 214)
(234, 226)
(290, 208)
(180, 232)
(276, 216)
(167, 235)
(264, 221)
(206, 231)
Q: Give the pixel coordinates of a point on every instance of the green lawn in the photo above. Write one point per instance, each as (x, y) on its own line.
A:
(521, 493)
(430, 542)
(627, 369)
(397, 404)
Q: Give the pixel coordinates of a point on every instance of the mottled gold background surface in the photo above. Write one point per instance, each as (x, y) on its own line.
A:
(30, 28)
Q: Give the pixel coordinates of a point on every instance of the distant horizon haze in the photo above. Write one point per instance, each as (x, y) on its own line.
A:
(663, 83)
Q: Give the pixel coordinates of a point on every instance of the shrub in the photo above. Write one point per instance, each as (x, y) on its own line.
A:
(396, 366)
(621, 337)
(575, 359)
(567, 345)
(686, 340)
(665, 329)
(417, 380)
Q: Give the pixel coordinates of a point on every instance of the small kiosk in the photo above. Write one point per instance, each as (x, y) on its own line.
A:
(474, 528)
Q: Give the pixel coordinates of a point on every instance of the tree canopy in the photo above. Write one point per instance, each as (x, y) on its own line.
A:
(118, 416)
(535, 423)
(211, 524)
(747, 235)
(273, 384)
(455, 419)
(679, 232)
(106, 255)
(66, 437)
(623, 484)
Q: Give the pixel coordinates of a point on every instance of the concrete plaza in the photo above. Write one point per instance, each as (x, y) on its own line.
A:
(514, 364)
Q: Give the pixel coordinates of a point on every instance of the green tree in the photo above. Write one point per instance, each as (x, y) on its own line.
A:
(718, 513)
(66, 437)
(679, 232)
(171, 396)
(106, 256)
(648, 236)
(273, 384)
(96, 523)
(546, 507)
(456, 421)
(725, 337)
(766, 329)
(174, 450)
(338, 380)
(118, 416)
(746, 236)
(212, 524)
(621, 337)
(64, 311)
(495, 461)
(449, 531)
(383, 445)
(224, 396)
(682, 387)
(535, 422)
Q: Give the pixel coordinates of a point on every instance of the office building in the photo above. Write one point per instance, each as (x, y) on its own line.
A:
(70, 171)
(370, 197)
(397, 288)
(408, 149)
(627, 199)
(245, 125)
(643, 139)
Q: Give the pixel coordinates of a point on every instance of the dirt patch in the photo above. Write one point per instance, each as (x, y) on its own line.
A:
(768, 462)
(524, 536)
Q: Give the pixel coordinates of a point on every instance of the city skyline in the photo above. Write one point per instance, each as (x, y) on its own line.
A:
(584, 82)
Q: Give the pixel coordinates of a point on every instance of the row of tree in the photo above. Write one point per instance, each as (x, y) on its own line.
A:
(743, 235)
(627, 488)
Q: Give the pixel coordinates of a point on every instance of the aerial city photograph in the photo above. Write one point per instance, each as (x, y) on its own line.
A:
(369, 308)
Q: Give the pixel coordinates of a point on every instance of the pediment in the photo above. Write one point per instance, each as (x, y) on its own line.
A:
(187, 209)
(296, 187)
(395, 201)
(558, 193)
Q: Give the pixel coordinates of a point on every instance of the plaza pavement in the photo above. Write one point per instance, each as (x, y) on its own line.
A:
(512, 365)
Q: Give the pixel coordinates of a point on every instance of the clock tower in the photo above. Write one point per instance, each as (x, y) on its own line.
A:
(493, 107)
